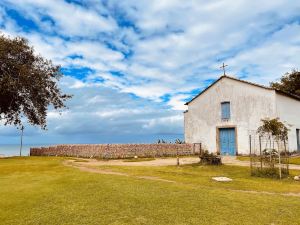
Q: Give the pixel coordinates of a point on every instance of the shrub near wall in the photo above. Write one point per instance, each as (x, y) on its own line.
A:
(115, 151)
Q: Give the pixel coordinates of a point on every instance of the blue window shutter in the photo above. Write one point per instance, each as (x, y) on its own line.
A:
(225, 108)
(228, 110)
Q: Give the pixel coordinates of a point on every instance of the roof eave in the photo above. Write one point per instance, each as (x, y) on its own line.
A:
(205, 90)
(296, 97)
(247, 82)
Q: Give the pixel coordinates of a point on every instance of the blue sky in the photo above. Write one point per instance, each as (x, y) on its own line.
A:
(132, 64)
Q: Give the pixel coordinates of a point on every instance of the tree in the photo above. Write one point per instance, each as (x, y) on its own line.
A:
(28, 84)
(273, 127)
(290, 83)
(161, 141)
(178, 141)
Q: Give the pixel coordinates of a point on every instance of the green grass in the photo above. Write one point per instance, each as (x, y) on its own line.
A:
(292, 160)
(40, 190)
(243, 158)
(295, 160)
(138, 159)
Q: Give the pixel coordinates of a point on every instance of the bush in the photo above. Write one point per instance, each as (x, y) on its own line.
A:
(269, 172)
(178, 141)
(207, 158)
(162, 141)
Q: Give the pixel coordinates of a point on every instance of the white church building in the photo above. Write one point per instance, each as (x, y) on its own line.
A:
(223, 115)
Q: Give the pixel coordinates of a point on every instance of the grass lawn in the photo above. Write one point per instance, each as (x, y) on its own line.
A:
(292, 160)
(41, 190)
(295, 160)
(243, 158)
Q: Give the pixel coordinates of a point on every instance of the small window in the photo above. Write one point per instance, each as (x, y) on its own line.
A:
(225, 110)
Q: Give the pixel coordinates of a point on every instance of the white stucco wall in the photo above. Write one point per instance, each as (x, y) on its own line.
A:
(288, 110)
(248, 105)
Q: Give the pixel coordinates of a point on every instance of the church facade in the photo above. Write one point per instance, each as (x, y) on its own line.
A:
(223, 115)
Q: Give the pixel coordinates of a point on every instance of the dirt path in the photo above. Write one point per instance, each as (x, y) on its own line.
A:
(227, 160)
(267, 193)
(83, 166)
(156, 162)
(86, 168)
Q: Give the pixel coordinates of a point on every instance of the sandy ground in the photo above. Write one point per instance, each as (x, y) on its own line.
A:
(156, 162)
(86, 167)
(89, 166)
(227, 160)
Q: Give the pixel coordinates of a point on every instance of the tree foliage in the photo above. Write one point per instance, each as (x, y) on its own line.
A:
(28, 83)
(178, 141)
(290, 83)
(162, 141)
(273, 127)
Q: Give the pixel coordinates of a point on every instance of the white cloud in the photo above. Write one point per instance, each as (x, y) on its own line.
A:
(149, 90)
(69, 19)
(179, 44)
(164, 124)
(177, 102)
(278, 54)
(98, 109)
(172, 48)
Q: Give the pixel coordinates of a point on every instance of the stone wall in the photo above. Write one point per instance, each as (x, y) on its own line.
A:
(115, 151)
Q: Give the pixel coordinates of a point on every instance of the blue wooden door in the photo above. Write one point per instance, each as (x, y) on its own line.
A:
(227, 141)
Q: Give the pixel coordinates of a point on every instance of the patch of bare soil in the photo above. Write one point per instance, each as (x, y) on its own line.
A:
(81, 167)
(268, 193)
(227, 160)
(156, 178)
(155, 162)
(88, 167)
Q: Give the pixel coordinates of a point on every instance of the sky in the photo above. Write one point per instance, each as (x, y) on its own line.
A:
(132, 64)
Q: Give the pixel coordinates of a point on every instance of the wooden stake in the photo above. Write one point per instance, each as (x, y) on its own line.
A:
(279, 160)
(22, 129)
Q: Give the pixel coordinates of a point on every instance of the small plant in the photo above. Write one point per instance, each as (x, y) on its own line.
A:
(207, 158)
(266, 172)
(161, 141)
(271, 160)
(178, 141)
(273, 128)
(270, 152)
(270, 172)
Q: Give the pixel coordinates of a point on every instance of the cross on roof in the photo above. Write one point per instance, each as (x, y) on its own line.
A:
(223, 67)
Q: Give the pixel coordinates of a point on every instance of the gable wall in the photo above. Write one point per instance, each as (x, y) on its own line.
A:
(288, 110)
(248, 103)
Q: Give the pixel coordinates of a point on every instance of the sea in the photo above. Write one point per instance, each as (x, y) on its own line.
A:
(7, 150)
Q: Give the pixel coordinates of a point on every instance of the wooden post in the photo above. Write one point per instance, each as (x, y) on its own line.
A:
(21, 146)
(177, 157)
(200, 151)
(286, 157)
(279, 159)
(194, 149)
(271, 149)
(250, 154)
(260, 155)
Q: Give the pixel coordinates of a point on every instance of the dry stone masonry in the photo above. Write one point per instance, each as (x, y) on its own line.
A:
(115, 151)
